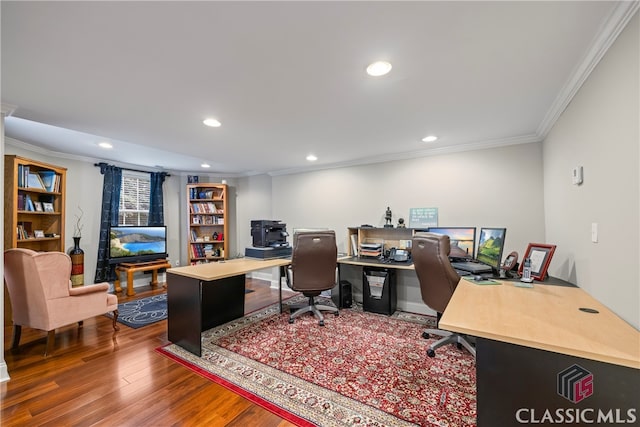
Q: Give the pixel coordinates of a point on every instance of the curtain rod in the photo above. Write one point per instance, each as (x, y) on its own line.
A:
(129, 169)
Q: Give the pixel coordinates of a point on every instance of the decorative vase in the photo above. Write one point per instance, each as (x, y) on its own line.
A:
(77, 263)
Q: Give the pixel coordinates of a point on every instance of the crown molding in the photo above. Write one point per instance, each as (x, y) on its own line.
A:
(609, 32)
(473, 146)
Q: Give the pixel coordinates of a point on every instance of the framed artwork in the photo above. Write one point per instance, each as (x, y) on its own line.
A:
(48, 207)
(37, 206)
(540, 255)
(38, 234)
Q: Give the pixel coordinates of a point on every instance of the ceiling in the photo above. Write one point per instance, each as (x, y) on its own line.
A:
(287, 79)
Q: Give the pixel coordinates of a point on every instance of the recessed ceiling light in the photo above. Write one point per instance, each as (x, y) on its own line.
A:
(205, 165)
(105, 144)
(378, 68)
(430, 138)
(312, 158)
(212, 123)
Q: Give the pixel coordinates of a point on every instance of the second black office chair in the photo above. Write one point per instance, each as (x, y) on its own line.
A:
(313, 270)
(438, 280)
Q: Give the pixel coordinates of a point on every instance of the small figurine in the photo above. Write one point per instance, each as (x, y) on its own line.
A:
(401, 223)
(387, 218)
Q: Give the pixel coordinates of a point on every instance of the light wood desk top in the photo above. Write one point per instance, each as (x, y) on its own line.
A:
(545, 317)
(221, 270)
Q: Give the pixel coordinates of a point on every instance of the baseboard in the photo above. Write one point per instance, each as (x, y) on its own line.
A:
(4, 372)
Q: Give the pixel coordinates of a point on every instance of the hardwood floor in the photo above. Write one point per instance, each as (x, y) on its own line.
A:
(98, 377)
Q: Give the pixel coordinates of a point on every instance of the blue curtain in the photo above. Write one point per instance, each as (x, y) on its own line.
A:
(156, 208)
(109, 217)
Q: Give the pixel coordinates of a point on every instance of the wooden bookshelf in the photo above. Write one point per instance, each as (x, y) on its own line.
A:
(208, 223)
(46, 185)
(34, 201)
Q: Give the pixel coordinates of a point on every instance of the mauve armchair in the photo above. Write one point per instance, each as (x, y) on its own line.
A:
(42, 297)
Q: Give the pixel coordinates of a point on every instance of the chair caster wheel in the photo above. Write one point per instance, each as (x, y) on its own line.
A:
(337, 313)
(291, 320)
(459, 346)
(425, 335)
(431, 353)
(321, 323)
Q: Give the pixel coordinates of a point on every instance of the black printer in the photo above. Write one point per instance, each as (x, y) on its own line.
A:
(269, 234)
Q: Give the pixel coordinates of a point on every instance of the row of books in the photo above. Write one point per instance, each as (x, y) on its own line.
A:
(205, 250)
(42, 180)
(201, 194)
(208, 207)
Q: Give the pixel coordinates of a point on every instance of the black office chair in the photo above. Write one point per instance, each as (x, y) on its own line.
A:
(313, 270)
(438, 280)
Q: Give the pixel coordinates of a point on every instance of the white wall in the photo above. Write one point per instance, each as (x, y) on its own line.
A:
(600, 130)
(498, 187)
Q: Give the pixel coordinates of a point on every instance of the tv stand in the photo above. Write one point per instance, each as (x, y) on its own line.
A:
(132, 267)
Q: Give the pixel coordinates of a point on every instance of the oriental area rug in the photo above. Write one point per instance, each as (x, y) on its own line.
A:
(360, 369)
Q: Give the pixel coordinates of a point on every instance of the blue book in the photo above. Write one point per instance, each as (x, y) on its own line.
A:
(48, 179)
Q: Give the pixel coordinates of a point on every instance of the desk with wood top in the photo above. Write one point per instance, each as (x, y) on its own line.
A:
(202, 296)
(529, 342)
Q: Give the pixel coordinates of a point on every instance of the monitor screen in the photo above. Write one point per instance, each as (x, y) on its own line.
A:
(490, 246)
(463, 240)
(137, 244)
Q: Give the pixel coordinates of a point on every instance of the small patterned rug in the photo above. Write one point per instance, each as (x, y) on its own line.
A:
(359, 369)
(145, 311)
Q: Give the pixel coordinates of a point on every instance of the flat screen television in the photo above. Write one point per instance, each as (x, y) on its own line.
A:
(137, 244)
(490, 247)
(462, 240)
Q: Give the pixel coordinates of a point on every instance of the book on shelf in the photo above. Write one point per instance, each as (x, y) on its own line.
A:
(48, 179)
(34, 181)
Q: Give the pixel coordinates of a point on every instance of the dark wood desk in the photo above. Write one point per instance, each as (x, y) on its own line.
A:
(527, 339)
(202, 296)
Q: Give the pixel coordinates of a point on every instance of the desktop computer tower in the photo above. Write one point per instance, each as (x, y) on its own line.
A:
(379, 290)
(342, 294)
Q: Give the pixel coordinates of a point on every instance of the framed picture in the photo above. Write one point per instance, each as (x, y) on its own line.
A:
(48, 207)
(37, 206)
(540, 255)
(38, 234)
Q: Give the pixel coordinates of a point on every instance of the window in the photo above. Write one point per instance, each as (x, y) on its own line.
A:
(134, 198)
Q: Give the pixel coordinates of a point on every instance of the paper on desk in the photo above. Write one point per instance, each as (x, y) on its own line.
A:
(483, 282)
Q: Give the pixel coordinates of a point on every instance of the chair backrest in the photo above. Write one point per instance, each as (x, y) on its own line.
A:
(32, 279)
(314, 261)
(438, 279)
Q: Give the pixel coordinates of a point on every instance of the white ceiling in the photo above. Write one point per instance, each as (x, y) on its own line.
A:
(287, 78)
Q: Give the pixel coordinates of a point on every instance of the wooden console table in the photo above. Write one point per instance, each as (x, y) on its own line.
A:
(130, 268)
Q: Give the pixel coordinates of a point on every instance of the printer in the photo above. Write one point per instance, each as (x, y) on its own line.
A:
(269, 234)
(269, 240)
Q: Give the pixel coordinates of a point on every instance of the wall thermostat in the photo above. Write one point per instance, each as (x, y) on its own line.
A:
(577, 175)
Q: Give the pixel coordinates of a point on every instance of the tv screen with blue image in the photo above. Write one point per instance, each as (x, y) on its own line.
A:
(137, 244)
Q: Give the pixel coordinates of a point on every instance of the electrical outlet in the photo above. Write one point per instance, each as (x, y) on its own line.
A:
(177, 263)
(594, 232)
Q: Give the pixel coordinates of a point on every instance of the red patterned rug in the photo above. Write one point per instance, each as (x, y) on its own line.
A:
(359, 369)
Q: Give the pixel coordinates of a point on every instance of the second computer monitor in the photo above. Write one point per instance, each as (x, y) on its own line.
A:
(490, 247)
(463, 240)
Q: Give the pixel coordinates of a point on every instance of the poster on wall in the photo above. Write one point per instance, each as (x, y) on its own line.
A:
(423, 217)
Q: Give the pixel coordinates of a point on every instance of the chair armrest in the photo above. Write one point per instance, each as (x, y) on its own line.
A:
(89, 289)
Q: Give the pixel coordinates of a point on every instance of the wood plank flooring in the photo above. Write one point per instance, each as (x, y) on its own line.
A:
(98, 377)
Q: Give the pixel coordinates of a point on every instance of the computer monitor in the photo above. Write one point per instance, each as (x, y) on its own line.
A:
(490, 247)
(463, 240)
